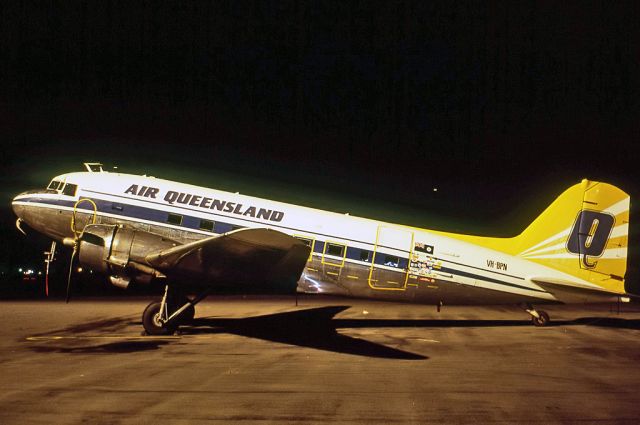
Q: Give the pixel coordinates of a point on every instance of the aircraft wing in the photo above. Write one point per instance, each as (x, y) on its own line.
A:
(248, 256)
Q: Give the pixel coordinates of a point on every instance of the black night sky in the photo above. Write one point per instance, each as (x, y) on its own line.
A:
(356, 106)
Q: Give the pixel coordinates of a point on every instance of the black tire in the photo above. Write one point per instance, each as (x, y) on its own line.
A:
(542, 320)
(151, 323)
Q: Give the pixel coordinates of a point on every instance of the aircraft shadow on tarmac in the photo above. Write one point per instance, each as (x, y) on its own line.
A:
(74, 339)
(316, 328)
(312, 328)
(109, 347)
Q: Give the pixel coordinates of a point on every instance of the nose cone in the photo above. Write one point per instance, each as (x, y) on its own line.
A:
(17, 208)
(20, 210)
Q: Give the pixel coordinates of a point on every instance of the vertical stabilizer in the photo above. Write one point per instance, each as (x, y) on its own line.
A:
(584, 232)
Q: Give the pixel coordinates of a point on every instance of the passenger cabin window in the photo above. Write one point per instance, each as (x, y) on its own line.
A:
(174, 219)
(305, 241)
(234, 227)
(70, 189)
(334, 249)
(365, 255)
(391, 260)
(206, 225)
(308, 242)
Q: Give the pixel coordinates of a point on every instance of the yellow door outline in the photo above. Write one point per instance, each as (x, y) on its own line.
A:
(371, 281)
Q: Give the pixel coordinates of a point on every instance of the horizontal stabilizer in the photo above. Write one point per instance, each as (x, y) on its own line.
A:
(555, 282)
(570, 291)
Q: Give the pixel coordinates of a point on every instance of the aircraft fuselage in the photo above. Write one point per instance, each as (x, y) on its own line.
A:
(350, 256)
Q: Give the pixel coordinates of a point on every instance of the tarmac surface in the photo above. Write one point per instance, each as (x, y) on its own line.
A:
(268, 361)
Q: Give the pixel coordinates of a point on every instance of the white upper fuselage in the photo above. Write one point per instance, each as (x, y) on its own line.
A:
(149, 200)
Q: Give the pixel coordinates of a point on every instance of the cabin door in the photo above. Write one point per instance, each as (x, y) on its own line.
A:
(390, 259)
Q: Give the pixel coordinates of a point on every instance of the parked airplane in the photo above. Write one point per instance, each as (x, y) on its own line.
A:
(141, 228)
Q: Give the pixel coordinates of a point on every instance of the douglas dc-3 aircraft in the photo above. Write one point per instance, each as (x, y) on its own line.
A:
(132, 227)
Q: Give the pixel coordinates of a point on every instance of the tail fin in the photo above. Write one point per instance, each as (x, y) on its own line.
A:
(584, 232)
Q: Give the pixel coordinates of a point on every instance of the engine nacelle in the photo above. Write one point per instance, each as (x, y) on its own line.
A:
(120, 252)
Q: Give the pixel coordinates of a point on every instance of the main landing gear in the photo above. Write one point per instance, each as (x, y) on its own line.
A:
(538, 317)
(164, 317)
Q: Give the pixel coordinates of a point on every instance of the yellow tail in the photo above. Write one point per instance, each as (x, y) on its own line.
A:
(584, 233)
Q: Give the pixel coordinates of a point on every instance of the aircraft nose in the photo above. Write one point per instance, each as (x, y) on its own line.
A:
(18, 205)
(20, 211)
(17, 208)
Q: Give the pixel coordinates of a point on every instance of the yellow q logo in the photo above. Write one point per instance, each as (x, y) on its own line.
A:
(590, 235)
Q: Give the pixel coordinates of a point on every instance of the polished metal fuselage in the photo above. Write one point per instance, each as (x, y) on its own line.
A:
(350, 256)
(319, 276)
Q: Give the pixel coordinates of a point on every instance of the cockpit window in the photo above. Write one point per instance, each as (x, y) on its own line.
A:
(70, 189)
(54, 185)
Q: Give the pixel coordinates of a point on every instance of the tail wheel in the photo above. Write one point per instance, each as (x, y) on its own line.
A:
(542, 319)
(152, 323)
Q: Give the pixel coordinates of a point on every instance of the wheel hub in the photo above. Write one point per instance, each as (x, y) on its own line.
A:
(156, 320)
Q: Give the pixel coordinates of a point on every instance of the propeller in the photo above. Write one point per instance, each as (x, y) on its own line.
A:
(49, 257)
(73, 256)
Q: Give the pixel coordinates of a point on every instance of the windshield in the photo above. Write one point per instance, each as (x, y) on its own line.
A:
(55, 185)
(59, 187)
(70, 189)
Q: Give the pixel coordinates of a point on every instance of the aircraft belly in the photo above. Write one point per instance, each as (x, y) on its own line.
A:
(352, 280)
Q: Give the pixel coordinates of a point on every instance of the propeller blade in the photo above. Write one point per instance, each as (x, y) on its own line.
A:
(50, 256)
(73, 256)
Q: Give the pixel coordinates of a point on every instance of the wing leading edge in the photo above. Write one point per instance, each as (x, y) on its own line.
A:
(262, 259)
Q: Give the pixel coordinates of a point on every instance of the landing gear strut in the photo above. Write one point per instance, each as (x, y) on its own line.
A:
(164, 317)
(538, 317)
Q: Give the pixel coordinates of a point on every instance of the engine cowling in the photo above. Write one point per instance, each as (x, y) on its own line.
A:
(120, 252)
